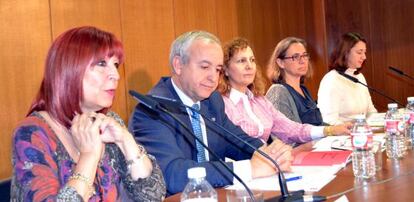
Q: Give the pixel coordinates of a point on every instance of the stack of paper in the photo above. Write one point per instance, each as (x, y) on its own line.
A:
(308, 178)
(341, 142)
(376, 120)
(326, 144)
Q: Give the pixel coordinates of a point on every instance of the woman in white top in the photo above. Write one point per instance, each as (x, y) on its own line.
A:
(339, 98)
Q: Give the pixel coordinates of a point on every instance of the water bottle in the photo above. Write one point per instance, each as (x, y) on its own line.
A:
(363, 160)
(395, 141)
(198, 188)
(409, 121)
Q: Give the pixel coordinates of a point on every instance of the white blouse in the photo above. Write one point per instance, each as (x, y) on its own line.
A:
(339, 99)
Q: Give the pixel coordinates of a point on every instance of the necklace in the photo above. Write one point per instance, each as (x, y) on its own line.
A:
(64, 135)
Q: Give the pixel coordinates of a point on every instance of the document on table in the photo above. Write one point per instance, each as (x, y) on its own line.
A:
(376, 119)
(341, 142)
(326, 143)
(308, 178)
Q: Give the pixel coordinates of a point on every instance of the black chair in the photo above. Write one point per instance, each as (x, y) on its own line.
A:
(5, 190)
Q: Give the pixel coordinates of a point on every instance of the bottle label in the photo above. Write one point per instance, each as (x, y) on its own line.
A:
(411, 120)
(394, 126)
(362, 140)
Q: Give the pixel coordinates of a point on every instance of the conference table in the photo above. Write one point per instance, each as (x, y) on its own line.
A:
(391, 183)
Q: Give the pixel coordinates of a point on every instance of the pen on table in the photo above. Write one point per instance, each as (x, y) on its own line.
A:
(339, 148)
(293, 178)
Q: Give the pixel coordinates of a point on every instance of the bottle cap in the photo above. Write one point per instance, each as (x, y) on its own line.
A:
(392, 105)
(410, 99)
(197, 172)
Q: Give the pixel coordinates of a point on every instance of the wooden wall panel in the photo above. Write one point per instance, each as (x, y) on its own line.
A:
(24, 40)
(245, 24)
(194, 15)
(147, 28)
(266, 30)
(316, 40)
(100, 13)
(292, 18)
(148, 31)
(392, 44)
(351, 16)
(388, 27)
(227, 24)
(346, 16)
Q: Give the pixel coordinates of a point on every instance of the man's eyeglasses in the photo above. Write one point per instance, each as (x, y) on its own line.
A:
(297, 57)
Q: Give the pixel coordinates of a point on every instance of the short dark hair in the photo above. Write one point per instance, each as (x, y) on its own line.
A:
(339, 56)
(61, 90)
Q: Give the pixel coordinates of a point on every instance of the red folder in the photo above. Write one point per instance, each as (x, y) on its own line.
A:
(322, 158)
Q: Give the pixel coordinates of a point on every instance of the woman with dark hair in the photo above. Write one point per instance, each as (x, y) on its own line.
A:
(243, 93)
(290, 66)
(339, 99)
(70, 147)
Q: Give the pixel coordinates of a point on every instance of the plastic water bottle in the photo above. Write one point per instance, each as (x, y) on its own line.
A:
(409, 121)
(395, 141)
(198, 188)
(363, 160)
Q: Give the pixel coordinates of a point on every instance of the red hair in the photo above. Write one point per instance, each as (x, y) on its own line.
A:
(230, 49)
(61, 91)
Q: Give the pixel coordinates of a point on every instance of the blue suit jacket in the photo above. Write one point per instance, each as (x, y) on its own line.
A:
(174, 147)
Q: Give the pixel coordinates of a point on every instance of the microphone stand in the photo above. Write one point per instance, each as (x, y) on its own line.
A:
(400, 72)
(370, 88)
(153, 105)
(285, 196)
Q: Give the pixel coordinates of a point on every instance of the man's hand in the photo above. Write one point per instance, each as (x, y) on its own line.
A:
(278, 151)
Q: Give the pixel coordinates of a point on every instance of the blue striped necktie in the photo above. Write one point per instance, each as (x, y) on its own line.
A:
(195, 123)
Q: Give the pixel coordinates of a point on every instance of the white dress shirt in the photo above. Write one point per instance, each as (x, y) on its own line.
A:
(241, 168)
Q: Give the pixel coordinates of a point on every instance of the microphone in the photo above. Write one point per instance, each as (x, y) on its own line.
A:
(155, 106)
(150, 103)
(285, 194)
(396, 70)
(353, 79)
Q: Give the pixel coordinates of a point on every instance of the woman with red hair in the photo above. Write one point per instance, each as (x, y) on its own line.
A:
(70, 147)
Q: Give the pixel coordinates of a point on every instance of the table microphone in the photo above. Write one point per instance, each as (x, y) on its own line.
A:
(285, 194)
(400, 72)
(155, 106)
(370, 88)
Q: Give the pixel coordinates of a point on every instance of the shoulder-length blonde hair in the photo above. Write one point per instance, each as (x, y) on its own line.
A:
(278, 74)
(230, 49)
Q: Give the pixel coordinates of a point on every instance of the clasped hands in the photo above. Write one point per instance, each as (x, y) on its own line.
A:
(90, 131)
(278, 151)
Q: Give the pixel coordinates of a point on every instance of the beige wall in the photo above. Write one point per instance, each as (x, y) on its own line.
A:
(147, 28)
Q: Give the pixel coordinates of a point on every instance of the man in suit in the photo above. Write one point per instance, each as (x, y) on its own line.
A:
(196, 59)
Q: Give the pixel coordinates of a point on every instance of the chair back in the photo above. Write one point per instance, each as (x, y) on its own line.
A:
(5, 190)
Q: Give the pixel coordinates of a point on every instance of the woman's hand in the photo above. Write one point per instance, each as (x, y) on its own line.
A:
(341, 129)
(85, 134)
(111, 131)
